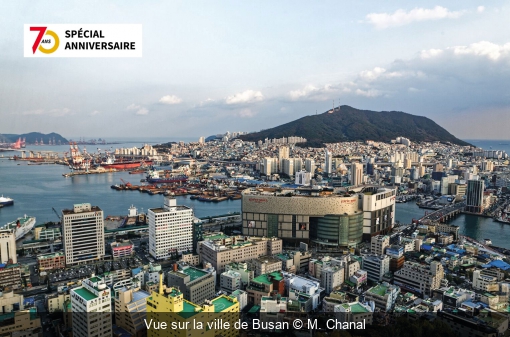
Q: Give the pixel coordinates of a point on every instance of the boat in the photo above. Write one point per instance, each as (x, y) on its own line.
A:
(21, 226)
(154, 178)
(112, 163)
(6, 201)
(487, 242)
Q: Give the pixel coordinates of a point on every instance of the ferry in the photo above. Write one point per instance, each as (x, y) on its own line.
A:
(6, 201)
(21, 226)
(487, 242)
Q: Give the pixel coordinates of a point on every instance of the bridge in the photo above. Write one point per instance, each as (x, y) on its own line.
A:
(444, 214)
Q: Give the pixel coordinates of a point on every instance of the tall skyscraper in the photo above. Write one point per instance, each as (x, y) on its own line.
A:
(356, 174)
(7, 246)
(328, 165)
(268, 166)
(170, 229)
(283, 153)
(83, 234)
(201, 140)
(288, 167)
(474, 200)
(310, 165)
(91, 307)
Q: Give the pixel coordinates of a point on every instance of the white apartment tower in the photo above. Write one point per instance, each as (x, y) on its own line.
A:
(83, 234)
(91, 307)
(170, 229)
(7, 246)
(328, 166)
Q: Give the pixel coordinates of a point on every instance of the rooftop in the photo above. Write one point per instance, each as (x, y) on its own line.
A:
(85, 294)
(50, 255)
(193, 273)
(266, 278)
(222, 303)
(358, 308)
(378, 290)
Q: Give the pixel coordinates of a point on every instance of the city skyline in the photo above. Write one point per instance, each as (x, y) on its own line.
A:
(207, 69)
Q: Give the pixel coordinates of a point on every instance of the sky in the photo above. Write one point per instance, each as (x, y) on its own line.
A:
(214, 66)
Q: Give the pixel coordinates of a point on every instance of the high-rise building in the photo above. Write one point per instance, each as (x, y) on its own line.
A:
(298, 164)
(283, 153)
(201, 140)
(310, 165)
(7, 247)
(91, 307)
(287, 166)
(328, 165)
(379, 243)
(83, 234)
(474, 196)
(376, 266)
(268, 166)
(356, 174)
(170, 229)
(197, 285)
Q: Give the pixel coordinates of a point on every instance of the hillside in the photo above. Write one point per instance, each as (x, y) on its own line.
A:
(31, 137)
(350, 124)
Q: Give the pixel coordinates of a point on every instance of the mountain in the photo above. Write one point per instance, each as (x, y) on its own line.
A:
(351, 124)
(31, 137)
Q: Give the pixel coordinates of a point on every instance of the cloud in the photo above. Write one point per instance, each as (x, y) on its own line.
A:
(315, 93)
(53, 112)
(368, 92)
(95, 112)
(483, 48)
(246, 113)
(401, 17)
(170, 99)
(480, 9)
(140, 110)
(247, 96)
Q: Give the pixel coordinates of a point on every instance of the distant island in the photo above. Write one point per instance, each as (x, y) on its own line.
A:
(345, 123)
(36, 137)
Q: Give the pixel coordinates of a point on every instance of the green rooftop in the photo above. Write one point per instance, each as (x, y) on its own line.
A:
(254, 309)
(221, 304)
(84, 293)
(174, 293)
(379, 290)
(216, 237)
(193, 273)
(188, 310)
(95, 279)
(266, 278)
(358, 308)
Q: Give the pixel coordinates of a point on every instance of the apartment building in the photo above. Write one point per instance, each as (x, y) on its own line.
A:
(265, 265)
(379, 243)
(383, 295)
(131, 309)
(230, 281)
(376, 266)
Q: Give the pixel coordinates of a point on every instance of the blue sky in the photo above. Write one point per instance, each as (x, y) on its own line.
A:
(209, 67)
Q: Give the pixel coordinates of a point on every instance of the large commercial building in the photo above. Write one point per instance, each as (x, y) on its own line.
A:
(83, 232)
(474, 196)
(328, 162)
(51, 261)
(222, 250)
(7, 247)
(318, 215)
(170, 229)
(91, 307)
(420, 278)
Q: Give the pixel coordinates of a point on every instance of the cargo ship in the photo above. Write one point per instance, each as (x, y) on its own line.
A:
(119, 164)
(21, 226)
(5, 201)
(154, 178)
